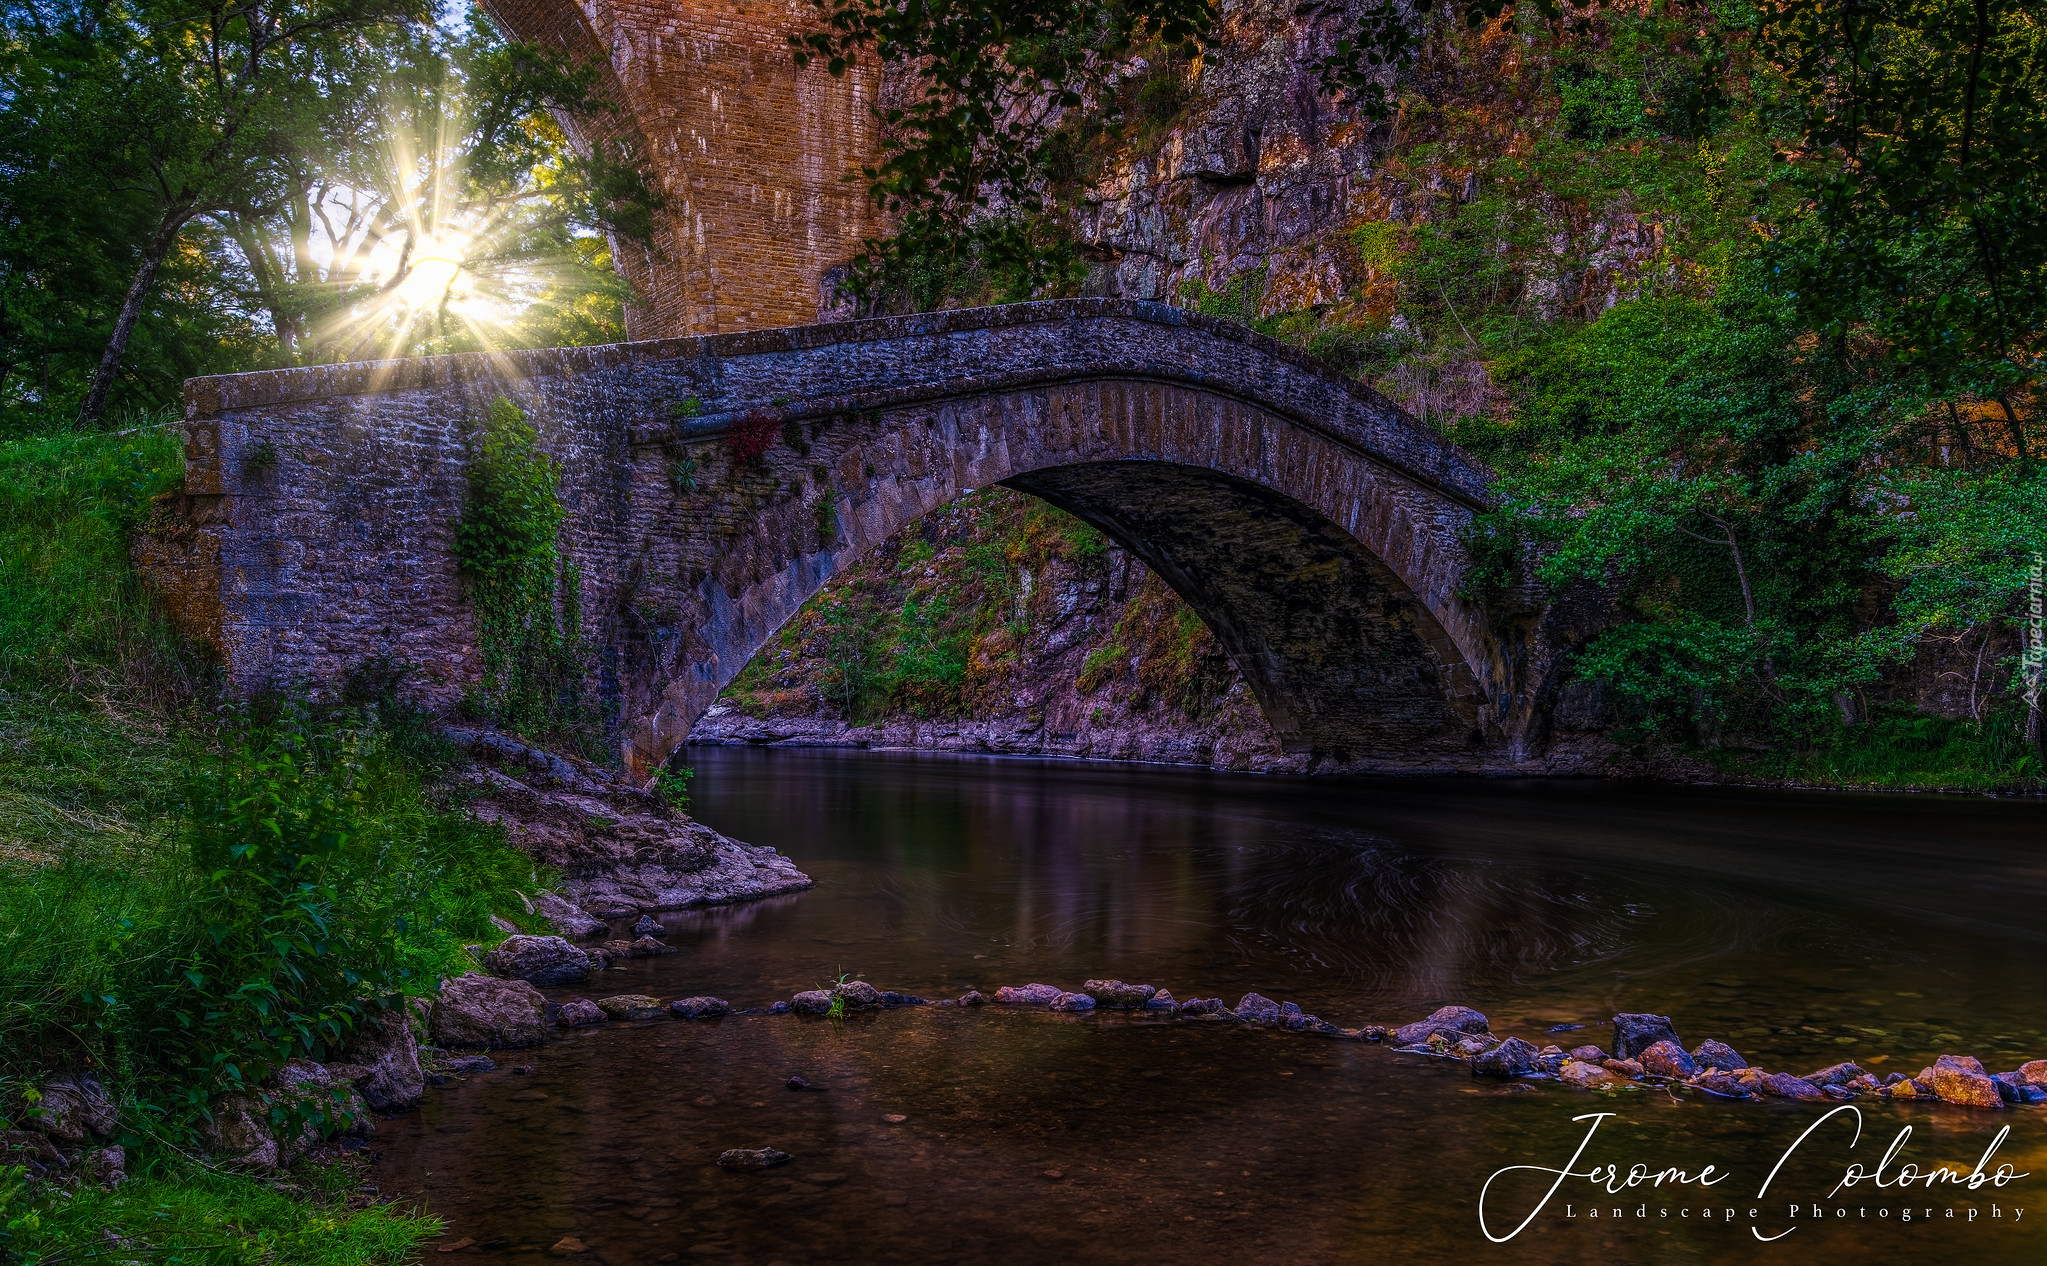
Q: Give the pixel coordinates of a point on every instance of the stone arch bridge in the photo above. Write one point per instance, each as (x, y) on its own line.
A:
(1313, 525)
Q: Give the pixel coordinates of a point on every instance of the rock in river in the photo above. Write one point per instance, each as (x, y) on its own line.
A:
(1073, 1002)
(540, 960)
(1713, 1053)
(571, 918)
(752, 1158)
(1257, 1009)
(1665, 1058)
(577, 1012)
(699, 1008)
(477, 1010)
(630, 1006)
(1585, 1075)
(1452, 1022)
(812, 1002)
(1634, 1033)
(1960, 1079)
(858, 993)
(649, 926)
(1511, 1058)
(1116, 995)
(1031, 995)
(392, 1079)
(1836, 1075)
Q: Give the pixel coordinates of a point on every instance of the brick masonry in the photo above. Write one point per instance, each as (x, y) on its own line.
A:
(1315, 527)
(759, 162)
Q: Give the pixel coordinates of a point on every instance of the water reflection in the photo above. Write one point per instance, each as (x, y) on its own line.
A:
(1802, 929)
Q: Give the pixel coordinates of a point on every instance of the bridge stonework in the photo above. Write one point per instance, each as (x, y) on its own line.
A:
(1315, 527)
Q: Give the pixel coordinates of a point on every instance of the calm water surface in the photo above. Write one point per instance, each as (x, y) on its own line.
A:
(1802, 928)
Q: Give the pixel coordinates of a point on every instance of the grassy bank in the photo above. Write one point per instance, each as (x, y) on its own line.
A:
(191, 894)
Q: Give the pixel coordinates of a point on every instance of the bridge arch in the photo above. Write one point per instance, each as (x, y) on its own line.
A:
(714, 484)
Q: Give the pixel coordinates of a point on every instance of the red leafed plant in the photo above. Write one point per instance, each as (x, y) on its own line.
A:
(752, 435)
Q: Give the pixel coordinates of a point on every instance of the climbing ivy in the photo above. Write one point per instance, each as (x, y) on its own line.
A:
(527, 599)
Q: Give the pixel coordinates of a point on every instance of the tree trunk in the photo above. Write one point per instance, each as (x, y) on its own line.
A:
(139, 291)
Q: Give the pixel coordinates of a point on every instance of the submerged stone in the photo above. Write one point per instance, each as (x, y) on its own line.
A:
(1452, 1022)
(701, 1008)
(577, 1012)
(1118, 995)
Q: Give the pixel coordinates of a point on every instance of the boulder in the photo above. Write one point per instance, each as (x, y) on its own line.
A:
(1960, 1079)
(1635, 1032)
(811, 1002)
(1585, 1076)
(752, 1158)
(392, 1080)
(1292, 1017)
(484, 1011)
(1031, 995)
(1784, 1086)
(2034, 1072)
(539, 960)
(237, 1130)
(649, 926)
(1452, 1022)
(1713, 1053)
(858, 993)
(1161, 1001)
(699, 1008)
(1257, 1009)
(1667, 1059)
(1118, 996)
(1835, 1075)
(74, 1107)
(1073, 1002)
(578, 1012)
(570, 918)
(1511, 1058)
(1590, 1054)
(630, 1006)
(1201, 1006)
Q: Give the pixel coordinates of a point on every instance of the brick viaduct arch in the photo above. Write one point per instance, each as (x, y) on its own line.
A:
(1312, 524)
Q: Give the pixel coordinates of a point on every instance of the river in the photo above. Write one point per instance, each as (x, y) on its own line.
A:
(1802, 928)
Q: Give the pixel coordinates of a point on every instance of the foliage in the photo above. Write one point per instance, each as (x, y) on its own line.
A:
(672, 785)
(527, 599)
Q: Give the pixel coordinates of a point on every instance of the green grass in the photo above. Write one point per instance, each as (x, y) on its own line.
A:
(1902, 751)
(189, 896)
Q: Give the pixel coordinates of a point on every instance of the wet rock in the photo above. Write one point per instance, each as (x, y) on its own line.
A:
(466, 1064)
(540, 960)
(2034, 1072)
(1470, 1047)
(617, 951)
(858, 993)
(811, 1002)
(1960, 1079)
(485, 1011)
(798, 1082)
(1837, 1092)
(1118, 996)
(1291, 1017)
(1585, 1076)
(1635, 1032)
(1628, 1068)
(890, 998)
(630, 1006)
(1864, 1082)
(74, 1107)
(569, 1246)
(648, 925)
(1073, 1002)
(783, 1008)
(1373, 1033)
(1257, 1009)
(648, 947)
(1161, 1001)
(570, 918)
(1031, 995)
(1452, 1022)
(577, 1012)
(104, 1166)
(600, 959)
(1511, 1058)
(972, 998)
(752, 1158)
(392, 1080)
(1713, 1053)
(1201, 1006)
(1835, 1075)
(1723, 1083)
(1591, 1054)
(1784, 1086)
(699, 1008)
(1667, 1059)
